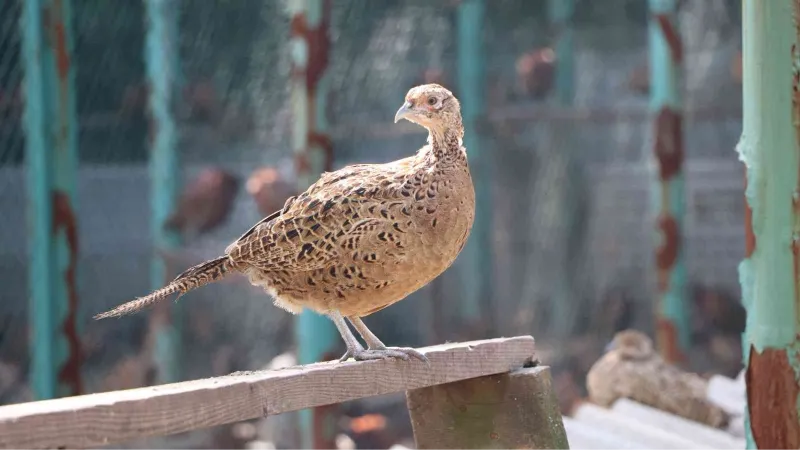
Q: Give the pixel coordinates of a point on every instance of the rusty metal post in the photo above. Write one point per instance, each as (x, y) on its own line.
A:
(770, 272)
(51, 127)
(161, 59)
(316, 335)
(672, 311)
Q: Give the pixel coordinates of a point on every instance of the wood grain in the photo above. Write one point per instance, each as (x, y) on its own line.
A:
(111, 417)
(508, 410)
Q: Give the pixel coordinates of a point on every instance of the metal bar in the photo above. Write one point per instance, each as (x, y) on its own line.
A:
(564, 301)
(672, 311)
(161, 59)
(560, 12)
(770, 273)
(316, 335)
(52, 161)
(475, 261)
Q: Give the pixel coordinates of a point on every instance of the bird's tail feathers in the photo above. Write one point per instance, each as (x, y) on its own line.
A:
(195, 277)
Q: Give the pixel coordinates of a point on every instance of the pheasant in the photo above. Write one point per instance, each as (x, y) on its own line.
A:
(361, 238)
(205, 203)
(631, 369)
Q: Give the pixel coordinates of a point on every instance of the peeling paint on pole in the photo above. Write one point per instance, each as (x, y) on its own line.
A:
(672, 316)
(770, 150)
(51, 126)
(316, 335)
(161, 59)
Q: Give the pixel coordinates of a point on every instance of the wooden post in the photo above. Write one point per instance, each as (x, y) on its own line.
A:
(673, 327)
(770, 272)
(316, 336)
(161, 59)
(51, 127)
(511, 410)
(475, 262)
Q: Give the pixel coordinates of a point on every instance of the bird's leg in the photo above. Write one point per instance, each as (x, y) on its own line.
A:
(377, 349)
(353, 346)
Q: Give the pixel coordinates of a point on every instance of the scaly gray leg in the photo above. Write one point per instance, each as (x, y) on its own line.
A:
(377, 349)
(353, 346)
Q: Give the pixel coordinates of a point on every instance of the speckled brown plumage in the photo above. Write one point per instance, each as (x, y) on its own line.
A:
(633, 370)
(362, 237)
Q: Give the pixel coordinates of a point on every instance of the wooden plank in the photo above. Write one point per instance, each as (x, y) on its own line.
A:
(696, 431)
(509, 410)
(101, 419)
(622, 426)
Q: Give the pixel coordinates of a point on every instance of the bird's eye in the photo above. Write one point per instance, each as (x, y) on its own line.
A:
(431, 101)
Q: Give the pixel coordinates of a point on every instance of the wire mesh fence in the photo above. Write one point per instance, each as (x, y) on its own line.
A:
(571, 216)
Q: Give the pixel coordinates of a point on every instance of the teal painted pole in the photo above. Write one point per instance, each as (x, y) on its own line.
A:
(50, 121)
(161, 59)
(673, 326)
(476, 261)
(770, 272)
(316, 335)
(561, 12)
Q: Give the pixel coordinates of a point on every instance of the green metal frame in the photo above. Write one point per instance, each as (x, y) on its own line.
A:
(672, 311)
(770, 272)
(51, 127)
(475, 262)
(316, 335)
(162, 62)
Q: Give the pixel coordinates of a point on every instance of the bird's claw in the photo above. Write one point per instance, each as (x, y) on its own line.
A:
(403, 353)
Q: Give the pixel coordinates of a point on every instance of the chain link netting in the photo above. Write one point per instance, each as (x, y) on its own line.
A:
(572, 222)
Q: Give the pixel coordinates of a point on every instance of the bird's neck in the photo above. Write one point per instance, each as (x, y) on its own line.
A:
(446, 143)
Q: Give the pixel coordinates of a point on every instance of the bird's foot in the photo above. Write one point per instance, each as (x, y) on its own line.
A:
(351, 353)
(403, 353)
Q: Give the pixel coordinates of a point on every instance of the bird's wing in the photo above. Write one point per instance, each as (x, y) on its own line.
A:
(684, 393)
(315, 227)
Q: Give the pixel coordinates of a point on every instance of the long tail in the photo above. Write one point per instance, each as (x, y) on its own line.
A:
(199, 275)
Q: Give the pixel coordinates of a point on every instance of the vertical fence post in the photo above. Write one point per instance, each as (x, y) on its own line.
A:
(316, 335)
(564, 301)
(770, 272)
(560, 12)
(161, 59)
(51, 126)
(476, 260)
(672, 311)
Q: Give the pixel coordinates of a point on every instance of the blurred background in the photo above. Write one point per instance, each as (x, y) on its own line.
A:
(150, 134)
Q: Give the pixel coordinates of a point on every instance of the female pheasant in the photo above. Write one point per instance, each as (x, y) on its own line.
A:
(632, 369)
(360, 238)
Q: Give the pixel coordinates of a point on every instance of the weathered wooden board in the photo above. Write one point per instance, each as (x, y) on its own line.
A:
(101, 419)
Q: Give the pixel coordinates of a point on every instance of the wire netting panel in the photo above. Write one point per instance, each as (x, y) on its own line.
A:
(13, 332)
(572, 184)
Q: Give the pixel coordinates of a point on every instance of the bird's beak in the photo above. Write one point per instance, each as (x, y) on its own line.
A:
(403, 112)
(610, 346)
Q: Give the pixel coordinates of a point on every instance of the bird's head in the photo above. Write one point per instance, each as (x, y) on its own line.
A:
(433, 107)
(632, 344)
